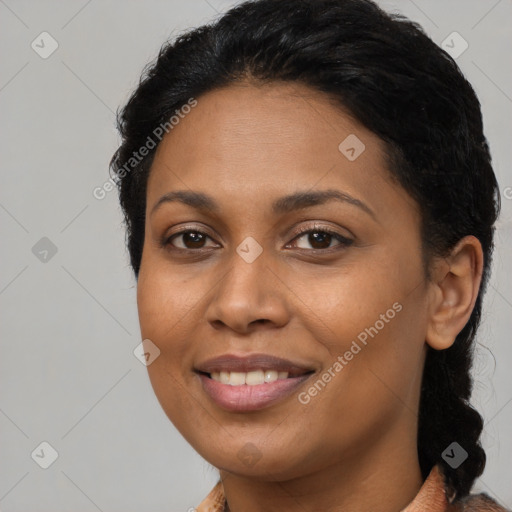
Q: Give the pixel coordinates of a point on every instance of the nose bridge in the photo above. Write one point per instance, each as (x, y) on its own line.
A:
(245, 285)
(248, 292)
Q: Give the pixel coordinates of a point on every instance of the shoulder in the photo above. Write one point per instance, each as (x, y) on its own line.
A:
(479, 503)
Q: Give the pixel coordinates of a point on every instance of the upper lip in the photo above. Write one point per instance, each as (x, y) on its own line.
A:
(247, 363)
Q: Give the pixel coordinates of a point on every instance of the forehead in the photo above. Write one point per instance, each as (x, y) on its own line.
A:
(256, 142)
(277, 117)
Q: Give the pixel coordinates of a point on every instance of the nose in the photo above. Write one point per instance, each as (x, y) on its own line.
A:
(249, 297)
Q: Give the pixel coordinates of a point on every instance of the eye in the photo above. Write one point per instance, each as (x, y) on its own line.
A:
(321, 238)
(189, 239)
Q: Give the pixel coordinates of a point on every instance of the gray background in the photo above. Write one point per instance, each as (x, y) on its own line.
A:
(69, 321)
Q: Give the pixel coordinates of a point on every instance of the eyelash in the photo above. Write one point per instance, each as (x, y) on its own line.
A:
(343, 241)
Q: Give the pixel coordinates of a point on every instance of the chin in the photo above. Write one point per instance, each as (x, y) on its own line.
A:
(249, 460)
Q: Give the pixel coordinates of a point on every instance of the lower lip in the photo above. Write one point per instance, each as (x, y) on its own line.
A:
(250, 398)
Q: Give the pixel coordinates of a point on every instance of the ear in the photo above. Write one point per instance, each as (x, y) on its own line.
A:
(455, 282)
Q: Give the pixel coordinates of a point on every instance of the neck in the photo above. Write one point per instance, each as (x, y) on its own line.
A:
(385, 478)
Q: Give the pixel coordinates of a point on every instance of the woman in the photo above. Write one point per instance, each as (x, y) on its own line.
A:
(310, 210)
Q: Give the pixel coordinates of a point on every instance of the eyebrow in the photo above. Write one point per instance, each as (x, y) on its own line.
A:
(282, 205)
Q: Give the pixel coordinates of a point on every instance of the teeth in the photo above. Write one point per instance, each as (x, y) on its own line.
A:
(236, 378)
(254, 378)
(250, 378)
(272, 375)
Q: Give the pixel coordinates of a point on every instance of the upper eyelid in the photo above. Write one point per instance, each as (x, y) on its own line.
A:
(318, 227)
(300, 233)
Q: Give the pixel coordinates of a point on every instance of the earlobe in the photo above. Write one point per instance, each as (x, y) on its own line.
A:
(454, 289)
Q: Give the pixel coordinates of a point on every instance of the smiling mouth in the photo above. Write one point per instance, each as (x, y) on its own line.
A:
(250, 382)
(253, 377)
(245, 391)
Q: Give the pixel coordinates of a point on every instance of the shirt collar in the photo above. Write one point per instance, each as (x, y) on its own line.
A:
(431, 496)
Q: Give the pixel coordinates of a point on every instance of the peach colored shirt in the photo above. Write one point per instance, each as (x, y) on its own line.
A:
(430, 498)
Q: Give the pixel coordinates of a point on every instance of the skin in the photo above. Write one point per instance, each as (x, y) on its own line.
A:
(353, 446)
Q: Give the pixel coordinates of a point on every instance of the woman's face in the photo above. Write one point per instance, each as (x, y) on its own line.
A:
(229, 283)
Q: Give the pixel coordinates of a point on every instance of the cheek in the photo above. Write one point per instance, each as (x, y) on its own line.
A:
(360, 303)
(165, 304)
(164, 299)
(374, 319)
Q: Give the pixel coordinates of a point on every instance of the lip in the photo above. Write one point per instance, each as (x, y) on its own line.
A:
(247, 363)
(247, 398)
